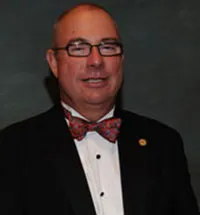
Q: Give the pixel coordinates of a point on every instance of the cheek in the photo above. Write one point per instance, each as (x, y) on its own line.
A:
(116, 74)
(67, 69)
(115, 69)
(114, 65)
(69, 74)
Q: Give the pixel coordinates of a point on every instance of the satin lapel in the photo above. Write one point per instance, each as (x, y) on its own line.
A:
(69, 171)
(133, 161)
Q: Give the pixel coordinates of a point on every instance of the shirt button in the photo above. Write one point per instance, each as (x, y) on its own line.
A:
(102, 194)
(98, 156)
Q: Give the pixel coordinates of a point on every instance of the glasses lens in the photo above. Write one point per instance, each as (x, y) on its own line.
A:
(81, 49)
(108, 49)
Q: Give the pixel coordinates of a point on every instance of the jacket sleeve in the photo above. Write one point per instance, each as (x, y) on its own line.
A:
(184, 199)
(11, 195)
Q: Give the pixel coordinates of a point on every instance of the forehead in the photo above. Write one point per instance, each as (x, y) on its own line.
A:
(93, 25)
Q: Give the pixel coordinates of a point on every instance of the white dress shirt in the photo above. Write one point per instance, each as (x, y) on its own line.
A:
(100, 161)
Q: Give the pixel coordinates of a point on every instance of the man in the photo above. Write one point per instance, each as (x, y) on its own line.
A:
(47, 167)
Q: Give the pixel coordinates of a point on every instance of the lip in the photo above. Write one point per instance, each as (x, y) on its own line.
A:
(95, 82)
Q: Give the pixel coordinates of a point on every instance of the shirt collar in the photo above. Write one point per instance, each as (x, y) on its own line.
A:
(77, 114)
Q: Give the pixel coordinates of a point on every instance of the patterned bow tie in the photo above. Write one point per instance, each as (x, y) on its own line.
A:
(108, 128)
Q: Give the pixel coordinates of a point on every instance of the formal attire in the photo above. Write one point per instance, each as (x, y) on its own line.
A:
(100, 161)
(42, 171)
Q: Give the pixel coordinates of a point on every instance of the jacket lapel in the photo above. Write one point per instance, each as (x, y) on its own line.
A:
(134, 164)
(137, 175)
(69, 171)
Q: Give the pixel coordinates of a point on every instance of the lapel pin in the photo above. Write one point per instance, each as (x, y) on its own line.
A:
(142, 142)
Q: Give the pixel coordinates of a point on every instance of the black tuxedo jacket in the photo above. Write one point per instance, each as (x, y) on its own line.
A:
(40, 170)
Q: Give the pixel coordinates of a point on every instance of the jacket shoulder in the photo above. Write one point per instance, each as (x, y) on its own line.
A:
(147, 125)
(30, 125)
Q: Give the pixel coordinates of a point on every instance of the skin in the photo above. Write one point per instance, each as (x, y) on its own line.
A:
(91, 99)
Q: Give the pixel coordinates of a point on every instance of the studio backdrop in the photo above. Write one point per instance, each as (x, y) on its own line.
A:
(161, 71)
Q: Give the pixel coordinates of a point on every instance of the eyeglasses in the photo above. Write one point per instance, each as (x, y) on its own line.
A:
(84, 49)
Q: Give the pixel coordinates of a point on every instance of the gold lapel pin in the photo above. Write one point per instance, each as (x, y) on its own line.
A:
(142, 142)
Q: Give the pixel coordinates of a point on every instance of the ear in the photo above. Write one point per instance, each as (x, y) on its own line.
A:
(51, 59)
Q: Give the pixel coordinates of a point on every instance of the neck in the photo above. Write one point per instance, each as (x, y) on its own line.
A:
(92, 112)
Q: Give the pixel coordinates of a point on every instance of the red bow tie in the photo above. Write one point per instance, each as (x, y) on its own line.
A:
(108, 128)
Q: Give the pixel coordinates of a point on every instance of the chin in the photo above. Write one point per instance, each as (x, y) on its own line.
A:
(99, 100)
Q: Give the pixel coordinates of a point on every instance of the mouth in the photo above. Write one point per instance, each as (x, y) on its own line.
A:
(94, 80)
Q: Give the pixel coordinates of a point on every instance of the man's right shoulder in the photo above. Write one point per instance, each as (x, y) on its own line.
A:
(27, 127)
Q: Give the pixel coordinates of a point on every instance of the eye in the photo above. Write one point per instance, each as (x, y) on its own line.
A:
(109, 48)
(78, 49)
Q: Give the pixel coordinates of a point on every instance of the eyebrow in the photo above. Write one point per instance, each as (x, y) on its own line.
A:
(111, 39)
(78, 39)
(83, 40)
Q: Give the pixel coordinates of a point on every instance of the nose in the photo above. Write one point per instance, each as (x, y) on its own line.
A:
(95, 59)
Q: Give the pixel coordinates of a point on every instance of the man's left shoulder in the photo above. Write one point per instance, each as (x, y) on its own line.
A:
(147, 125)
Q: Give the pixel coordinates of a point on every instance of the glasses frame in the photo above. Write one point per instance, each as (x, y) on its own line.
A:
(66, 48)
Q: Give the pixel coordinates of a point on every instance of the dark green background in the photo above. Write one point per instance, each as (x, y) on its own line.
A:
(162, 69)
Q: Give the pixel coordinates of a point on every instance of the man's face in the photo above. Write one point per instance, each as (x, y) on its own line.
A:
(91, 80)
